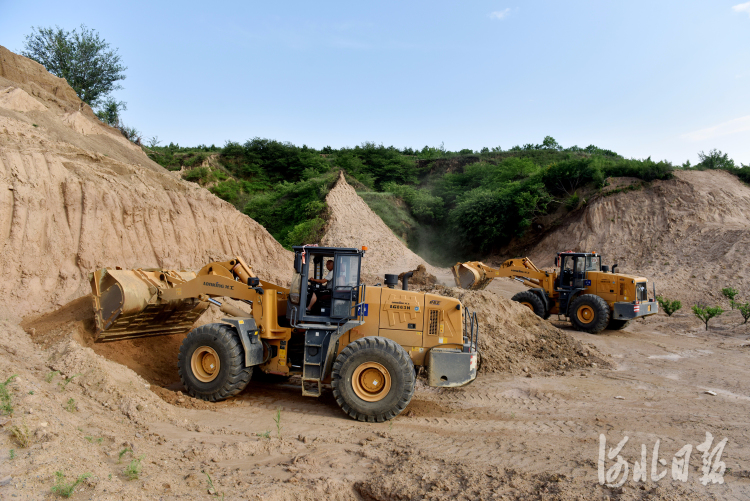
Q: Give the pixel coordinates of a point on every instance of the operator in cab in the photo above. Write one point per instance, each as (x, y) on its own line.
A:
(327, 281)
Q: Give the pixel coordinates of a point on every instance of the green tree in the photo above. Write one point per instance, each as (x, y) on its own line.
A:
(109, 112)
(715, 159)
(745, 311)
(706, 313)
(549, 143)
(668, 306)
(82, 58)
(730, 293)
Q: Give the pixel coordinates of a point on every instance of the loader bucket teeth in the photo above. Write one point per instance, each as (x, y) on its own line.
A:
(128, 304)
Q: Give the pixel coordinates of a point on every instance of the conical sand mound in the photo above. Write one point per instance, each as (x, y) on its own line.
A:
(353, 224)
(75, 196)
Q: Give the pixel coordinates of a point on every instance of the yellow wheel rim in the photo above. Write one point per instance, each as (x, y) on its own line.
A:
(205, 364)
(528, 305)
(585, 314)
(371, 382)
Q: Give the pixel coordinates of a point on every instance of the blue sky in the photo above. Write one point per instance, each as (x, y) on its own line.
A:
(664, 79)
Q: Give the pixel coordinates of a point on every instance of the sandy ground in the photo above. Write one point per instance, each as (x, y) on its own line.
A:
(518, 436)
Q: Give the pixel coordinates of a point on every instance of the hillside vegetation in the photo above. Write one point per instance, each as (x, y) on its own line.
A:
(444, 205)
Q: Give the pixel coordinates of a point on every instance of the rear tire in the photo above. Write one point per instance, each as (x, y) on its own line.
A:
(617, 325)
(211, 363)
(589, 313)
(373, 379)
(532, 302)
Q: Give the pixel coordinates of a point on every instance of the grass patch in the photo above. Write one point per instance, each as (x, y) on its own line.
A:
(6, 406)
(64, 384)
(51, 375)
(122, 453)
(133, 470)
(70, 405)
(21, 434)
(65, 489)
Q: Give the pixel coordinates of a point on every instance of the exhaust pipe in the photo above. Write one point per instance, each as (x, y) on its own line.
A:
(405, 280)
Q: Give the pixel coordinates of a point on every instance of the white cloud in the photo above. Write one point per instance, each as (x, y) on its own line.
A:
(741, 124)
(742, 7)
(502, 14)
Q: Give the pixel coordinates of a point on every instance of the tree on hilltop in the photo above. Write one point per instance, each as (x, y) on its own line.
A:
(82, 58)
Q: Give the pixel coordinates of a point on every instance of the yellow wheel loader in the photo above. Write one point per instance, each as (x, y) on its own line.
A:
(366, 341)
(581, 289)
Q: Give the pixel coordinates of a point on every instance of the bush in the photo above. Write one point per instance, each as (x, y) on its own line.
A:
(706, 313)
(730, 293)
(668, 306)
(572, 202)
(198, 175)
(65, 489)
(745, 311)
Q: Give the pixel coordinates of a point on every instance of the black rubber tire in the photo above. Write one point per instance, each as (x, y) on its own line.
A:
(233, 375)
(600, 317)
(390, 355)
(532, 299)
(616, 325)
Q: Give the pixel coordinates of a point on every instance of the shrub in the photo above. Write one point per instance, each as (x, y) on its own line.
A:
(197, 175)
(133, 470)
(706, 313)
(572, 202)
(745, 311)
(5, 404)
(730, 294)
(65, 489)
(668, 306)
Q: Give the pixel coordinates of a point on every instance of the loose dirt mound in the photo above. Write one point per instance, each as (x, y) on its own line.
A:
(513, 339)
(420, 277)
(353, 224)
(75, 196)
(690, 235)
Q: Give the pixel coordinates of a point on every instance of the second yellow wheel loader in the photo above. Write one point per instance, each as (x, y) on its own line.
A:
(366, 341)
(581, 288)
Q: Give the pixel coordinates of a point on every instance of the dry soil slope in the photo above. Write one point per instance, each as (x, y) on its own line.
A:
(690, 234)
(75, 195)
(352, 223)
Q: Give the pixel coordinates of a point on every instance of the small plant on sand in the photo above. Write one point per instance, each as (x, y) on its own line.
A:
(65, 489)
(122, 453)
(706, 313)
(21, 434)
(265, 434)
(133, 470)
(12, 454)
(730, 294)
(51, 375)
(5, 404)
(668, 306)
(211, 488)
(70, 405)
(744, 311)
(64, 384)
(277, 420)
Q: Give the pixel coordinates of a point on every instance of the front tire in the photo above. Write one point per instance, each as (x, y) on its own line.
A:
(211, 363)
(373, 379)
(589, 313)
(532, 302)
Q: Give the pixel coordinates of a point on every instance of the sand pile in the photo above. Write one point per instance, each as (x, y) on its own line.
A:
(353, 224)
(76, 196)
(690, 235)
(420, 278)
(513, 339)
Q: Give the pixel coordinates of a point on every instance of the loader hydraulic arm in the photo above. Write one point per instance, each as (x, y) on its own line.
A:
(476, 275)
(149, 302)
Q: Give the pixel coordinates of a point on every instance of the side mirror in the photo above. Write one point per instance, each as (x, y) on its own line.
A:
(253, 281)
(297, 263)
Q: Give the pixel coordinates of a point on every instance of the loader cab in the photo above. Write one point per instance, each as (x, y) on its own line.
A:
(574, 267)
(335, 300)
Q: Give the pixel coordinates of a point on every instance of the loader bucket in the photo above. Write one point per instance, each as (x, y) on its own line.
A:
(465, 276)
(128, 304)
